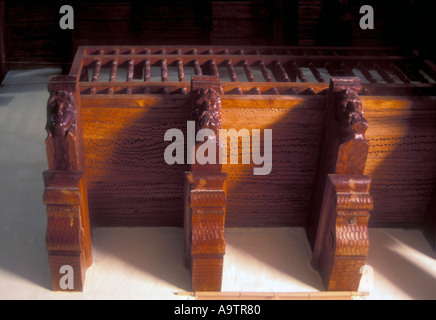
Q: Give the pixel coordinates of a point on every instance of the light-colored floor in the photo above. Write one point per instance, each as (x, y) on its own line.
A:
(147, 263)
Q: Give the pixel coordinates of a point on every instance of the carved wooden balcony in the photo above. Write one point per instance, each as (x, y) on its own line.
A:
(353, 146)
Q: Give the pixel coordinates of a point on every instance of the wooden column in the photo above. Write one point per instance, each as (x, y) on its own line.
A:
(340, 170)
(68, 237)
(205, 194)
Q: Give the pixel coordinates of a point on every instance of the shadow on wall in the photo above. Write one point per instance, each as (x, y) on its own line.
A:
(131, 185)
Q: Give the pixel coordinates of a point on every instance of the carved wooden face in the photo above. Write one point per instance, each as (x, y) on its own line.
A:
(60, 113)
(349, 113)
(207, 104)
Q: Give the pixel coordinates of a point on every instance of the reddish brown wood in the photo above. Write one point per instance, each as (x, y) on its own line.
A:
(205, 194)
(68, 228)
(340, 169)
(344, 148)
(342, 241)
(129, 183)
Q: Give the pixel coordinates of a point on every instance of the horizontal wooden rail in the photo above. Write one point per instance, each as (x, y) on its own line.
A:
(322, 295)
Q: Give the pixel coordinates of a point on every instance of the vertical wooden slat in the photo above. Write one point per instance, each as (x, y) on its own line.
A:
(400, 74)
(97, 70)
(386, 77)
(265, 72)
(114, 69)
(213, 68)
(247, 70)
(316, 73)
(180, 70)
(147, 70)
(281, 71)
(164, 70)
(130, 66)
(231, 71)
(197, 68)
(298, 72)
(366, 73)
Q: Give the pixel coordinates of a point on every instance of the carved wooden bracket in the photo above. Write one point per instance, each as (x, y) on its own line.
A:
(204, 229)
(68, 237)
(344, 148)
(64, 139)
(205, 194)
(337, 227)
(342, 242)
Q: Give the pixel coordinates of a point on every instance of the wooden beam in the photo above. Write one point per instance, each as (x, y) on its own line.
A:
(322, 295)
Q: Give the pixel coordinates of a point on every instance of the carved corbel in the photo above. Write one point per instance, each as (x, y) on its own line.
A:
(205, 194)
(68, 238)
(204, 229)
(342, 242)
(344, 150)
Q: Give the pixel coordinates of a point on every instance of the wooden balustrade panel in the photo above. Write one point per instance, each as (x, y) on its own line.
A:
(402, 148)
(131, 184)
(141, 92)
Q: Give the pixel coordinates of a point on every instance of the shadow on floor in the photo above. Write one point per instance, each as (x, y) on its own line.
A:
(400, 256)
(155, 251)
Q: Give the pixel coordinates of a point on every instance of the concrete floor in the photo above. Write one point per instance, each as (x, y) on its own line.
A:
(147, 263)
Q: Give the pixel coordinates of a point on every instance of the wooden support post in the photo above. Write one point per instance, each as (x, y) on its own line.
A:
(342, 242)
(344, 151)
(205, 193)
(68, 235)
